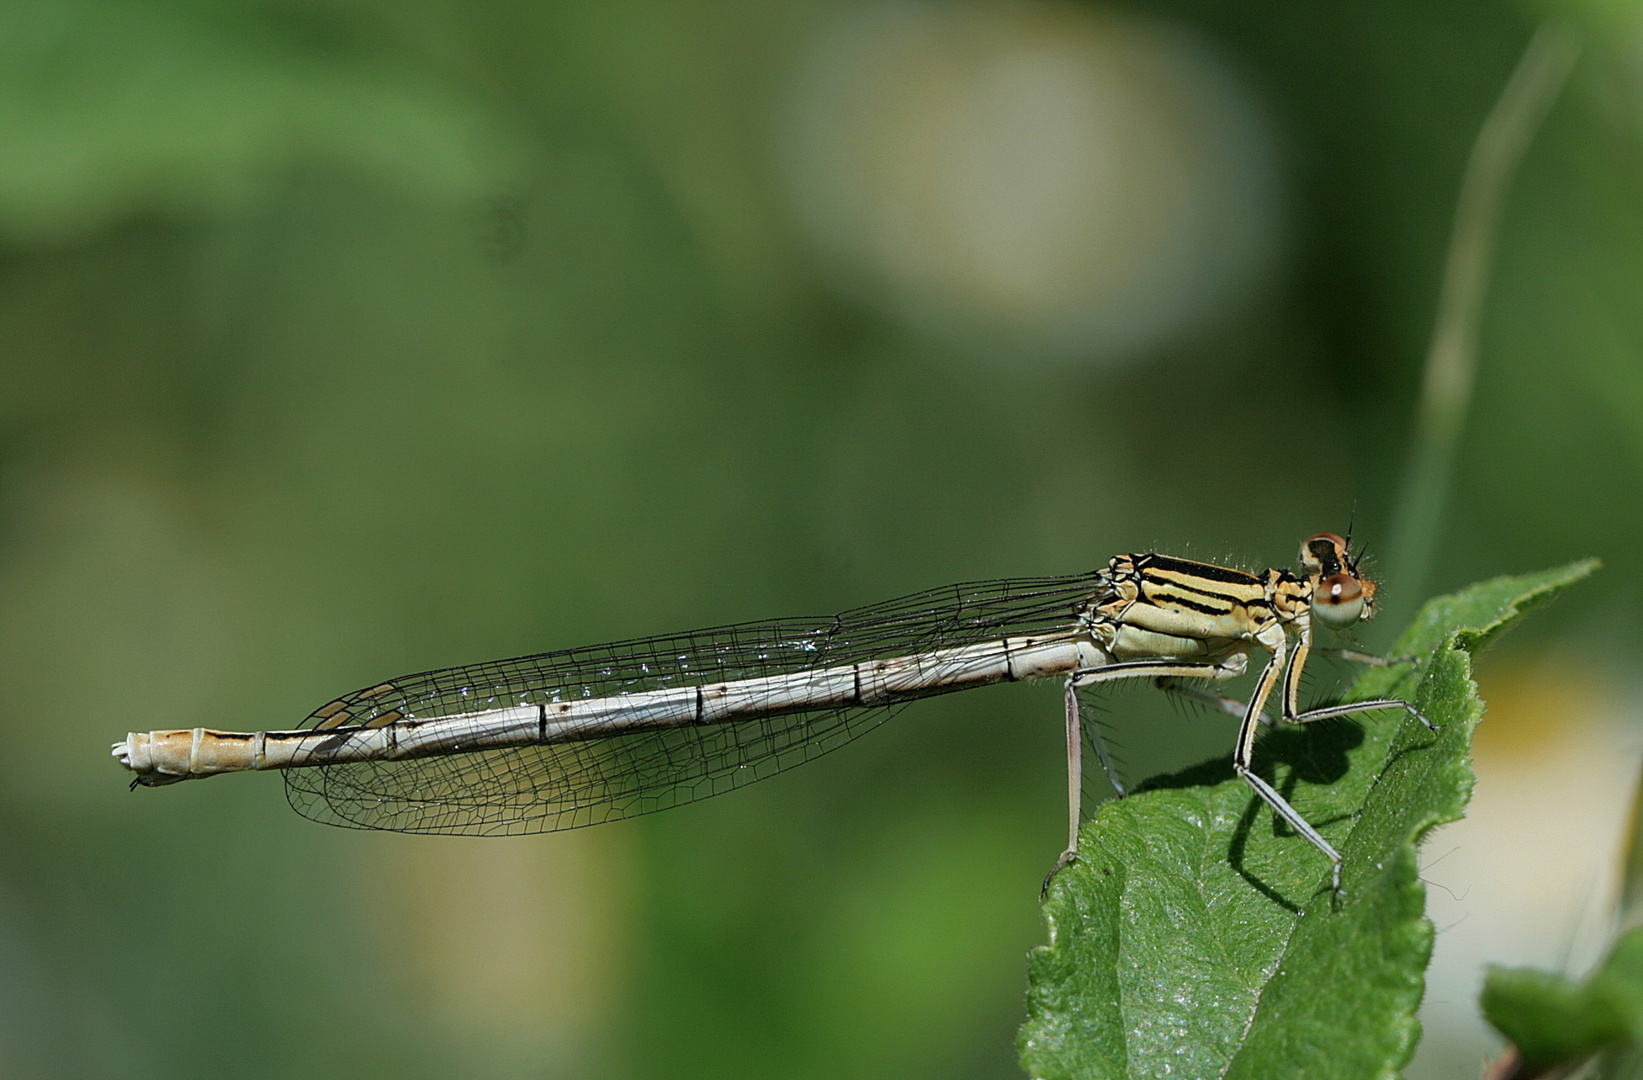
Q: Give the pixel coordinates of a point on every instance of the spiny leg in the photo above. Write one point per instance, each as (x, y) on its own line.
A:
(1243, 753)
(1281, 807)
(1291, 667)
(1075, 744)
(1358, 657)
(1202, 695)
(1357, 707)
(1075, 779)
(1292, 690)
(1094, 731)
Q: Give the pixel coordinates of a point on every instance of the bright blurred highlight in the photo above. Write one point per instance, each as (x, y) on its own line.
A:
(1528, 877)
(1043, 179)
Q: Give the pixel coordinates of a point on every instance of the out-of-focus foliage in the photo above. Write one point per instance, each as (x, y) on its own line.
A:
(109, 110)
(338, 341)
(1555, 1021)
(1166, 951)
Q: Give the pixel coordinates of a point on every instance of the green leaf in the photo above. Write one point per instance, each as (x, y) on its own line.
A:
(1555, 1021)
(1198, 937)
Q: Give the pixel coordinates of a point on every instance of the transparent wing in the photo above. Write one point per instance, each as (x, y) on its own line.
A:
(544, 788)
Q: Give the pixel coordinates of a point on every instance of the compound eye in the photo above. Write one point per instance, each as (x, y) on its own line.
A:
(1339, 601)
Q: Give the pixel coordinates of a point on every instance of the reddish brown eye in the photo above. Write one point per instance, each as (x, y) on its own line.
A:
(1339, 601)
(1340, 589)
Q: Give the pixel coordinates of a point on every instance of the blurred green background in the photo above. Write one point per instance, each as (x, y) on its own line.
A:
(344, 340)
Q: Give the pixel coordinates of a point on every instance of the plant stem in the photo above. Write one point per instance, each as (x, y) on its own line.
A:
(1451, 362)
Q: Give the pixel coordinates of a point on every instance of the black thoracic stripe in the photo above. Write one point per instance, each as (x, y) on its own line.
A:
(1196, 569)
(1158, 581)
(1248, 593)
(1181, 601)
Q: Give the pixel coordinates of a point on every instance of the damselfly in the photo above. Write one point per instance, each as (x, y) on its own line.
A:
(571, 738)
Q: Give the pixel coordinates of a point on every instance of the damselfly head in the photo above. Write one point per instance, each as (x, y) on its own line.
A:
(1339, 596)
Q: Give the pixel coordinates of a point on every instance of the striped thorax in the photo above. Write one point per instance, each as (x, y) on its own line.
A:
(1158, 606)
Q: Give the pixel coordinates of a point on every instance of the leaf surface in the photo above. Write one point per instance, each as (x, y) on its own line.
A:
(1197, 936)
(1554, 1021)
